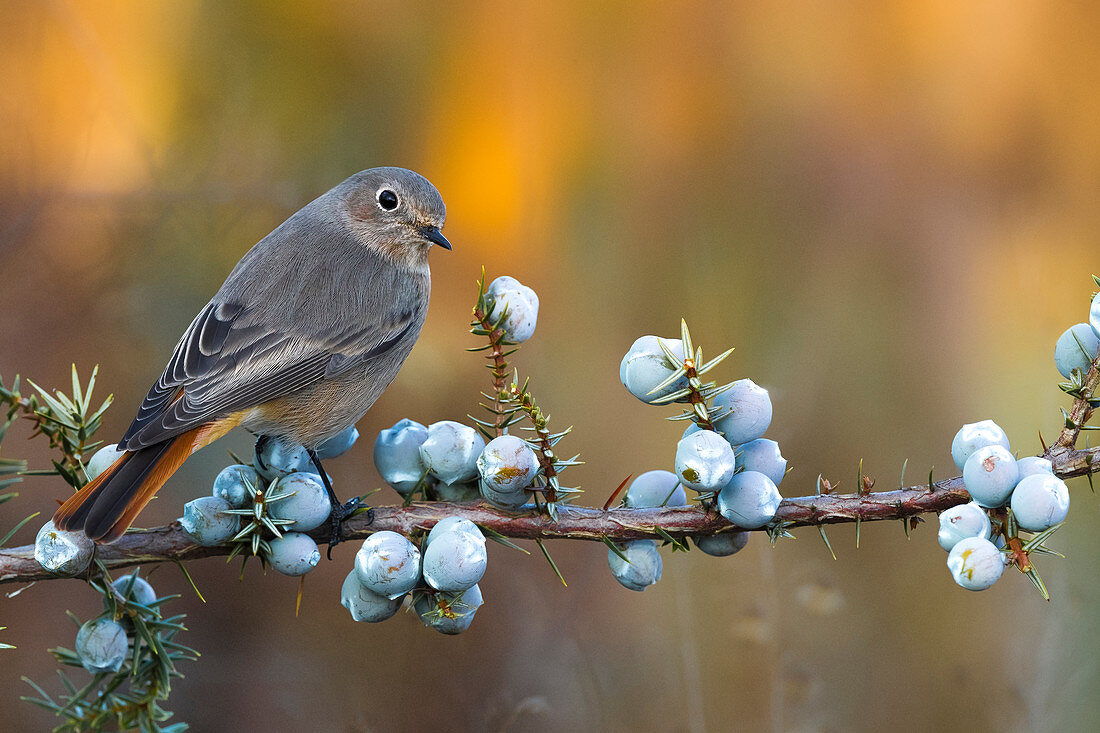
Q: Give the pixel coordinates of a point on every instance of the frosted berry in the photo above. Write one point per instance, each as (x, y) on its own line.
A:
(397, 455)
(654, 489)
(973, 436)
(750, 500)
(990, 475)
(102, 460)
(1076, 349)
(646, 366)
(451, 450)
(1040, 501)
(508, 464)
(519, 306)
(448, 613)
(61, 552)
(338, 444)
(140, 592)
(293, 554)
(275, 458)
(705, 461)
(455, 560)
(763, 456)
(975, 563)
(206, 521)
(751, 415)
(102, 645)
(644, 566)
(1029, 465)
(962, 521)
(308, 504)
(232, 485)
(388, 564)
(722, 544)
(512, 500)
(364, 604)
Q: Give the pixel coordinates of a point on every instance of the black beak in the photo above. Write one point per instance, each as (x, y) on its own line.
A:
(433, 235)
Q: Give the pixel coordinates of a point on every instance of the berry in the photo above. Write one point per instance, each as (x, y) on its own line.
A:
(308, 504)
(507, 464)
(458, 493)
(451, 450)
(752, 412)
(292, 554)
(102, 645)
(275, 458)
(448, 613)
(455, 560)
(975, 563)
(705, 461)
(1040, 501)
(206, 522)
(364, 604)
(990, 475)
(62, 553)
(973, 436)
(338, 444)
(962, 521)
(504, 499)
(722, 544)
(750, 500)
(102, 460)
(644, 566)
(1076, 349)
(1034, 464)
(397, 455)
(141, 592)
(452, 524)
(654, 489)
(762, 455)
(518, 304)
(232, 485)
(646, 366)
(388, 564)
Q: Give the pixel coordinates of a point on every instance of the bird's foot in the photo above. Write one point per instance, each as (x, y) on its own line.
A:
(340, 514)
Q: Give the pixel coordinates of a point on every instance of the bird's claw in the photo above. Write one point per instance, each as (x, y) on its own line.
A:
(340, 514)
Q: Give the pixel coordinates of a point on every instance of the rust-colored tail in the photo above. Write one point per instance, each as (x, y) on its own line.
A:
(110, 503)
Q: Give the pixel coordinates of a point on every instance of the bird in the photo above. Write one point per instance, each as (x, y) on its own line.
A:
(306, 332)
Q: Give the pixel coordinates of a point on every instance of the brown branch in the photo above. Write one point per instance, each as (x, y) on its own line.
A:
(168, 543)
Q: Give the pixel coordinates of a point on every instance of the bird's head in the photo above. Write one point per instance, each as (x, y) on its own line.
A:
(396, 211)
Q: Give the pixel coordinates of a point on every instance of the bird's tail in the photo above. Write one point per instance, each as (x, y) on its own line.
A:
(107, 506)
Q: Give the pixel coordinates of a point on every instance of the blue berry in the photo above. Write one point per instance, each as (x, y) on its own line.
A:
(397, 455)
(750, 500)
(962, 521)
(508, 464)
(504, 499)
(644, 566)
(1040, 501)
(975, 563)
(448, 613)
(654, 489)
(763, 456)
(102, 645)
(338, 444)
(364, 604)
(205, 520)
(292, 554)
(102, 460)
(705, 461)
(722, 544)
(990, 475)
(646, 366)
(61, 552)
(973, 436)
(519, 306)
(751, 415)
(458, 493)
(275, 458)
(308, 504)
(232, 485)
(1034, 464)
(140, 591)
(452, 524)
(455, 560)
(451, 450)
(1076, 349)
(1094, 315)
(388, 564)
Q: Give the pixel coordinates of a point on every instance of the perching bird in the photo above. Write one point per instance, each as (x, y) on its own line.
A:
(307, 331)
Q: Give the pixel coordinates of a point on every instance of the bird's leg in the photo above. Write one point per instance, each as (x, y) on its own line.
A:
(340, 512)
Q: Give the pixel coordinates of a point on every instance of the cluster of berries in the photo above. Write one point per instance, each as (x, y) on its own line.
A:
(722, 455)
(440, 576)
(1037, 499)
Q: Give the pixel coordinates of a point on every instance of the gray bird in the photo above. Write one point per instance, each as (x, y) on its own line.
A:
(307, 331)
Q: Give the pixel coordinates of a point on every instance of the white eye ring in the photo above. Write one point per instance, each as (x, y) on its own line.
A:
(391, 201)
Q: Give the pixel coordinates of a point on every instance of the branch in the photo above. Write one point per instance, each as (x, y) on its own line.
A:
(168, 543)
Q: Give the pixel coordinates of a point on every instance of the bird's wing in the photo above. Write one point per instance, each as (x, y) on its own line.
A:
(230, 358)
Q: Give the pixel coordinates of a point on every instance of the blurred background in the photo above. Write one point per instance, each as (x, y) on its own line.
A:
(889, 209)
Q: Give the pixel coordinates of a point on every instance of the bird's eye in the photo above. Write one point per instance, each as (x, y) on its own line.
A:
(387, 199)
